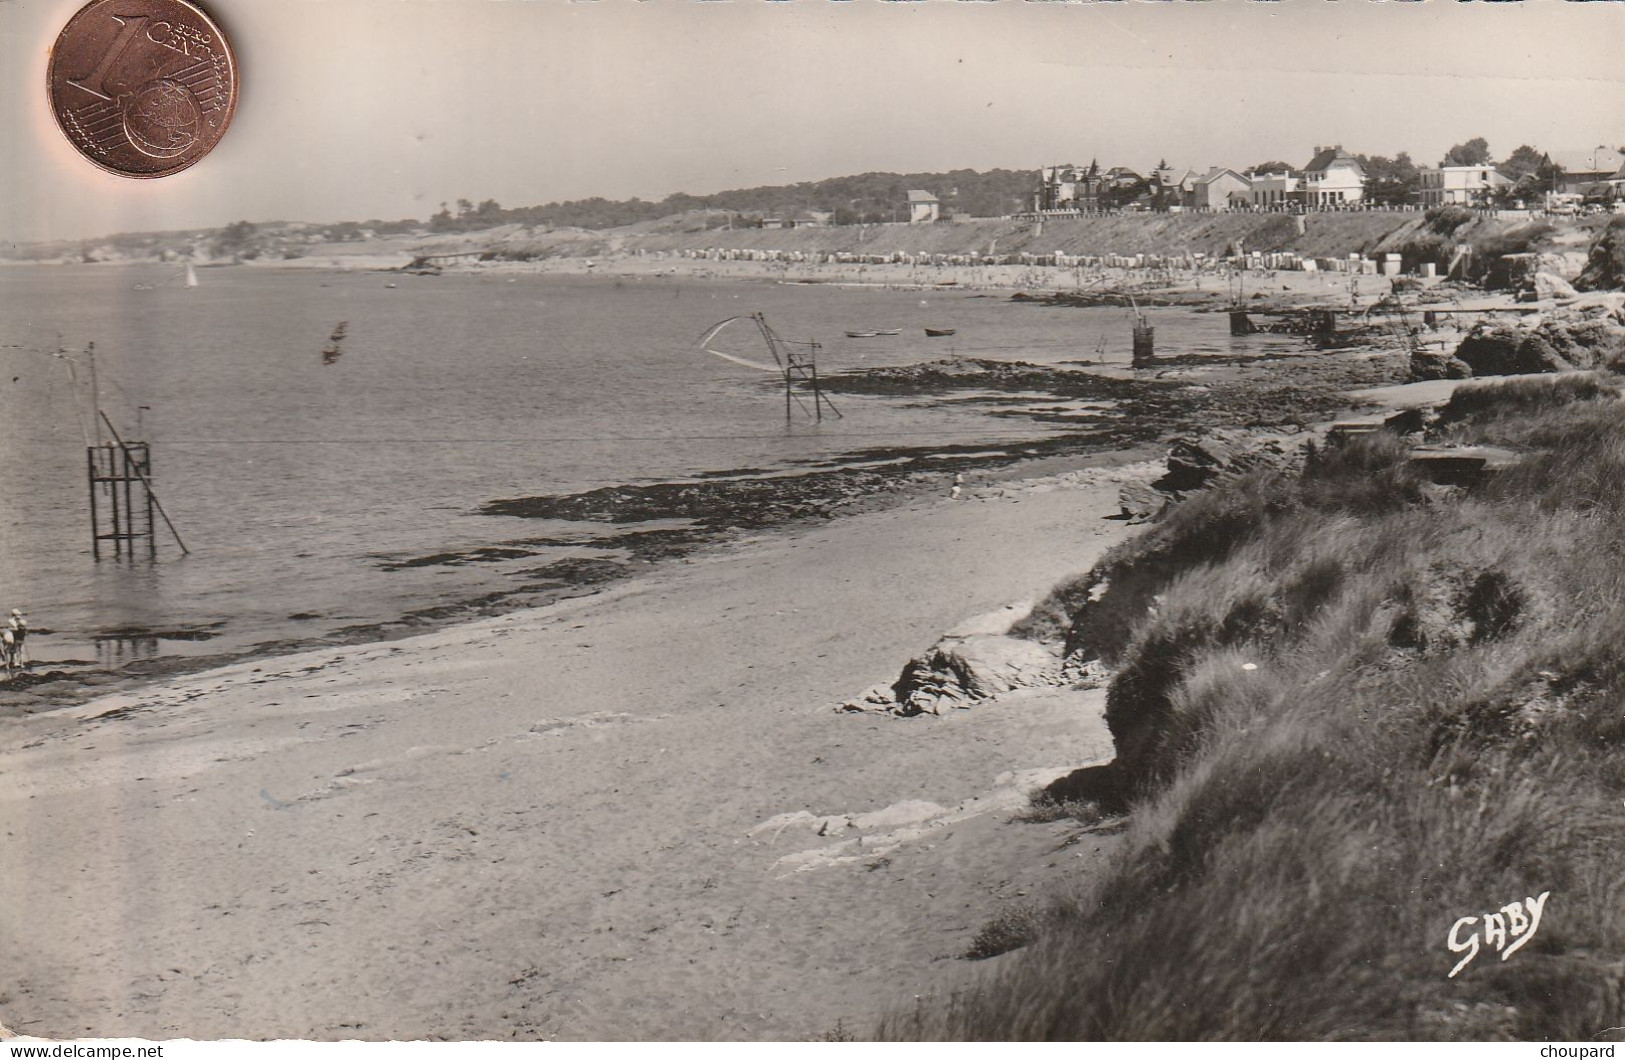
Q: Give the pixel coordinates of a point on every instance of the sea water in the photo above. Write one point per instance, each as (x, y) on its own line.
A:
(302, 482)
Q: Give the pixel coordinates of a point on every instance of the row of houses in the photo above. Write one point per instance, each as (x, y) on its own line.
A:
(1569, 174)
(1333, 178)
(1256, 261)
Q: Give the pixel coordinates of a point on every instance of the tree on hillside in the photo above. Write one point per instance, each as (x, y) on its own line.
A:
(1119, 195)
(1273, 167)
(1390, 181)
(1524, 161)
(1474, 152)
(1532, 173)
(236, 241)
(389, 228)
(1548, 175)
(863, 197)
(342, 232)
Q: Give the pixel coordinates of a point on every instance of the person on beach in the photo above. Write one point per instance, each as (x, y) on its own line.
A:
(16, 639)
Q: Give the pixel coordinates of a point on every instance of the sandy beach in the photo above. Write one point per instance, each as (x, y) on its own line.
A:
(1210, 285)
(629, 815)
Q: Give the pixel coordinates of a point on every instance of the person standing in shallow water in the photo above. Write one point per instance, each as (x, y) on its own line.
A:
(17, 626)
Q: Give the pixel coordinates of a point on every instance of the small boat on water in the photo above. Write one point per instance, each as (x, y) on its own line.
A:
(189, 278)
(861, 334)
(937, 333)
(889, 331)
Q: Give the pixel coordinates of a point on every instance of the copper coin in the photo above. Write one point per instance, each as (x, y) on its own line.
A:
(143, 88)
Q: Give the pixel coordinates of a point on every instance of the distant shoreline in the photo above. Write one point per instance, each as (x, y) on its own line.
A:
(1197, 287)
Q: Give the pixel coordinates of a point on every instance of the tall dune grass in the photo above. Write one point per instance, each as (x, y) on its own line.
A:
(1354, 712)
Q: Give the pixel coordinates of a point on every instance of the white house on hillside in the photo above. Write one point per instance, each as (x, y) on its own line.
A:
(1272, 189)
(1218, 189)
(1460, 185)
(1333, 178)
(923, 207)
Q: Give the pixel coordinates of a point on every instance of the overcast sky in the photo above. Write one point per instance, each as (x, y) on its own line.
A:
(354, 109)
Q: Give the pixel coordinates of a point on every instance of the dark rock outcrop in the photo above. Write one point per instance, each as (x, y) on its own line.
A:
(1434, 363)
(1554, 346)
(961, 670)
(1605, 264)
(1501, 349)
(1194, 462)
(976, 660)
(1141, 502)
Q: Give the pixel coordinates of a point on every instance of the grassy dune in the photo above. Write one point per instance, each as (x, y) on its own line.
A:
(1350, 708)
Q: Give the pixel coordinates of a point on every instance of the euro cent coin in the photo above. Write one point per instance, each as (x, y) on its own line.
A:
(143, 88)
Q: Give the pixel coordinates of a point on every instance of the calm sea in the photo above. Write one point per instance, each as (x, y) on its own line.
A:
(300, 485)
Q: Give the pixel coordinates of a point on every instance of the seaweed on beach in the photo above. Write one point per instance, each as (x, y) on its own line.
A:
(742, 503)
(485, 554)
(1146, 410)
(959, 373)
(1109, 299)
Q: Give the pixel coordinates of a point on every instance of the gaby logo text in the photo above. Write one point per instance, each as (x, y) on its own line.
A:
(1505, 930)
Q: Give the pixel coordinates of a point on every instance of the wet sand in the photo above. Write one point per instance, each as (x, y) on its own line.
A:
(568, 822)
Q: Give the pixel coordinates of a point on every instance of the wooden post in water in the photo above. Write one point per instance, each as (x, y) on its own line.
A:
(1145, 346)
(1145, 350)
(804, 368)
(112, 491)
(818, 396)
(120, 467)
(129, 508)
(152, 529)
(95, 523)
(796, 368)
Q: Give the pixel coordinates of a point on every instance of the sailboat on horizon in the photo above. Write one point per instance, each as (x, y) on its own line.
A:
(190, 280)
